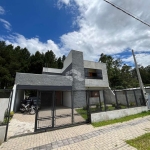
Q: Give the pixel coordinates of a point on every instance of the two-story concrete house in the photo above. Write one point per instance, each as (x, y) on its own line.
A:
(77, 75)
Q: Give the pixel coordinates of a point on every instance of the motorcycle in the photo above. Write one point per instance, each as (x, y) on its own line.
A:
(30, 108)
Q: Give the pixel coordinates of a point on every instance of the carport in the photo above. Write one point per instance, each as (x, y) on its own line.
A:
(56, 96)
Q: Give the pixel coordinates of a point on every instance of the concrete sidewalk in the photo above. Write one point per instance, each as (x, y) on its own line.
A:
(83, 137)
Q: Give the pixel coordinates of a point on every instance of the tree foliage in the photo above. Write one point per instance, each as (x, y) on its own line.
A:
(121, 75)
(18, 59)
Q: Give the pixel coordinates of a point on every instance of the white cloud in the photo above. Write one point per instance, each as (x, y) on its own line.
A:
(2, 11)
(66, 2)
(142, 59)
(102, 29)
(105, 29)
(61, 3)
(32, 44)
(6, 24)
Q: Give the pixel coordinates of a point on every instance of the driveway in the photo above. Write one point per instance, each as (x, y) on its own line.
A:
(23, 123)
(83, 137)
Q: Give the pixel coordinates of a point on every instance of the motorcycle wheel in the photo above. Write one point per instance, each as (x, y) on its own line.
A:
(22, 110)
(32, 111)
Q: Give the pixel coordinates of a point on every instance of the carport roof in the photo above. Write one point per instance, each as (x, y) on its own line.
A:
(30, 81)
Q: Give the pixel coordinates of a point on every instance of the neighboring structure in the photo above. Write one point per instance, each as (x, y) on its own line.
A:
(77, 75)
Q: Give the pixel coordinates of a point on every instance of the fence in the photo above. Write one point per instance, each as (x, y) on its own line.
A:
(107, 100)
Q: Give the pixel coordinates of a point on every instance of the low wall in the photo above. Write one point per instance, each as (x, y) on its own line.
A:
(2, 134)
(3, 107)
(109, 115)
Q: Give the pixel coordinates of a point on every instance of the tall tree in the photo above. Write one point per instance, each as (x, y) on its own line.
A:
(36, 63)
(59, 63)
(50, 59)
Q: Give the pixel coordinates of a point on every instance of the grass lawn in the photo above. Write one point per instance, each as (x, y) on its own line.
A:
(123, 119)
(141, 142)
(82, 112)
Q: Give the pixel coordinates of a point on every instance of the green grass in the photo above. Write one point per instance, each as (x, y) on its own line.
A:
(141, 142)
(123, 119)
(82, 112)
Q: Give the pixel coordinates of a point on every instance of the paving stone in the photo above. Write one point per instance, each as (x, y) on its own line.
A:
(83, 137)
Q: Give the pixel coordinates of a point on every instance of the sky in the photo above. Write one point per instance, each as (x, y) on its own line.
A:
(90, 26)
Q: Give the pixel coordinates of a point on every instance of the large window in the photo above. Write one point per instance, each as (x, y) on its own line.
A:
(93, 73)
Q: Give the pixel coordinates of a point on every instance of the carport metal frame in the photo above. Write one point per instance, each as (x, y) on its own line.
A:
(56, 88)
(53, 127)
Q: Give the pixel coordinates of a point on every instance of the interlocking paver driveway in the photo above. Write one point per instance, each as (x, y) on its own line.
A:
(83, 137)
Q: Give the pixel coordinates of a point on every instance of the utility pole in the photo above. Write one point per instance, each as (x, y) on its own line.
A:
(145, 95)
(139, 77)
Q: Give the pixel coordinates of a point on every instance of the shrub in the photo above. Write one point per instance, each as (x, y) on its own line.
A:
(11, 114)
(119, 87)
(6, 113)
(132, 104)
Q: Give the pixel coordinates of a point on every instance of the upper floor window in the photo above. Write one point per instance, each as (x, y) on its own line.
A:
(93, 73)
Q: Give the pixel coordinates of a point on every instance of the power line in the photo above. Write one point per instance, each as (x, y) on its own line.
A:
(123, 10)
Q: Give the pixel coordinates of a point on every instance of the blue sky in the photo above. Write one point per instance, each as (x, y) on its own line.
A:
(37, 18)
(93, 27)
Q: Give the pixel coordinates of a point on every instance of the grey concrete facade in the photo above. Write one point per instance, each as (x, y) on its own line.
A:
(96, 82)
(72, 74)
(42, 79)
(79, 94)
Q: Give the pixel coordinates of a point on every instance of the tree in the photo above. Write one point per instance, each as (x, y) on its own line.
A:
(50, 59)
(59, 63)
(36, 63)
(113, 69)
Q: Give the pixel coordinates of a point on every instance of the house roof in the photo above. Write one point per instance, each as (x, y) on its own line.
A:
(28, 79)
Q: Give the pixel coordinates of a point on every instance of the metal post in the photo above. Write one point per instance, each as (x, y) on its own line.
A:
(100, 101)
(126, 99)
(104, 100)
(9, 106)
(116, 98)
(72, 106)
(53, 110)
(36, 114)
(135, 98)
(62, 98)
(88, 109)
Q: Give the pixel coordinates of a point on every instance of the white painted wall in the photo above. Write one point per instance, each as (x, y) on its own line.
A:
(53, 70)
(3, 107)
(67, 99)
(96, 82)
(109, 115)
(67, 61)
